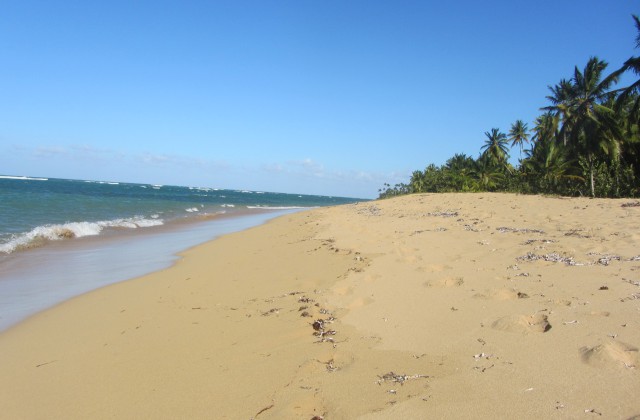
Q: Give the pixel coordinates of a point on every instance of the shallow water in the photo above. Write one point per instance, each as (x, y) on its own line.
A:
(34, 280)
(63, 237)
(37, 212)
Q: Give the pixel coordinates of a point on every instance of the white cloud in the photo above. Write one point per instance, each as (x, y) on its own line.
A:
(49, 151)
(152, 158)
(273, 168)
(87, 152)
(180, 161)
(84, 161)
(310, 168)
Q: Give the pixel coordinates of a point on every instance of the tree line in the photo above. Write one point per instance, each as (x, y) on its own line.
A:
(586, 142)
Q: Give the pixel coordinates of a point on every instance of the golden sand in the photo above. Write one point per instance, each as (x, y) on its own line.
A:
(424, 306)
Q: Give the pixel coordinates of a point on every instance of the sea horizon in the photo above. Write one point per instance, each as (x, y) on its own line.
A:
(62, 237)
(36, 211)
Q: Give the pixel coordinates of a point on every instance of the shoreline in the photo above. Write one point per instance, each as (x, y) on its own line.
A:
(39, 278)
(464, 305)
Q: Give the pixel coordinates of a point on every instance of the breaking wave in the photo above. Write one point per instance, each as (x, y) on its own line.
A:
(23, 178)
(278, 207)
(40, 235)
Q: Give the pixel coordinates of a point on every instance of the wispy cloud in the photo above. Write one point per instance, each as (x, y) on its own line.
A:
(88, 153)
(273, 168)
(48, 151)
(311, 168)
(304, 167)
(153, 159)
(306, 174)
(179, 161)
(73, 152)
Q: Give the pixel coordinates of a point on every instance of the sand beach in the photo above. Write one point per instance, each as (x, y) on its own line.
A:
(422, 306)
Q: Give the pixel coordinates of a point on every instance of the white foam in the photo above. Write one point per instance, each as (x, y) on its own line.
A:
(38, 236)
(132, 223)
(278, 208)
(192, 209)
(23, 178)
(66, 272)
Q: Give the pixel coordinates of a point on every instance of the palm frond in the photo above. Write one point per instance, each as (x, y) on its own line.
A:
(637, 23)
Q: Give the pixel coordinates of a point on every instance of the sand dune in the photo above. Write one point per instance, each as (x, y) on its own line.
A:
(425, 306)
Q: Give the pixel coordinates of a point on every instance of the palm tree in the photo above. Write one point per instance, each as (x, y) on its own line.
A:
(460, 162)
(417, 182)
(461, 170)
(632, 64)
(519, 134)
(561, 95)
(547, 165)
(628, 107)
(546, 128)
(589, 128)
(495, 147)
(489, 176)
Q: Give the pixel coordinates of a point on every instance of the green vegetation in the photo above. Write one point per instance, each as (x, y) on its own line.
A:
(587, 142)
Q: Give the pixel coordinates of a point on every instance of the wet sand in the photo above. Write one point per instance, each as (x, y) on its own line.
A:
(39, 278)
(425, 306)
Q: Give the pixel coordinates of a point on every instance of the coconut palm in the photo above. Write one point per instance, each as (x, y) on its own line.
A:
(489, 176)
(461, 171)
(417, 182)
(548, 165)
(589, 128)
(519, 134)
(460, 162)
(561, 95)
(632, 64)
(628, 108)
(546, 128)
(495, 147)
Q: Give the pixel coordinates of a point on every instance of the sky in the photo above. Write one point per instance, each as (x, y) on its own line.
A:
(331, 97)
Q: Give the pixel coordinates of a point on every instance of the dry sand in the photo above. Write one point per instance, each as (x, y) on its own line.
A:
(425, 306)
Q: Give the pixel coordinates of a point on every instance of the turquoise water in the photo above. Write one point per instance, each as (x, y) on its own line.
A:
(60, 238)
(36, 211)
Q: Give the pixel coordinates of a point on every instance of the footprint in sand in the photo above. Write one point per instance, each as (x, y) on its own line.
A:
(502, 294)
(408, 255)
(562, 302)
(436, 268)
(372, 278)
(343, 290)
(445, 282)
(600, 313)
(610, 354)
(359, 303)
(525, 324)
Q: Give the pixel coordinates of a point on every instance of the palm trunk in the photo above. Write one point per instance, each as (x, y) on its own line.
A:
(591, 176)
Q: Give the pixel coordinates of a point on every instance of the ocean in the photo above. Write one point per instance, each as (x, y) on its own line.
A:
(60, 238)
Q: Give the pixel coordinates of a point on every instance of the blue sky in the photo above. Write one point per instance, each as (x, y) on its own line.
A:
(322, 97)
